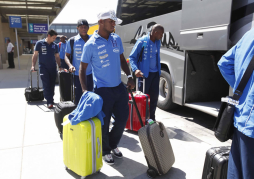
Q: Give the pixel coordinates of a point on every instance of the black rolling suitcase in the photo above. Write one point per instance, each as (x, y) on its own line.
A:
(63, 108)
(65, 85)
(216, 163)
(156, 146)
(34, 93)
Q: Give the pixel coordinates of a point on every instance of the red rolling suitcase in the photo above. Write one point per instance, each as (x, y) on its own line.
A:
(143, 103)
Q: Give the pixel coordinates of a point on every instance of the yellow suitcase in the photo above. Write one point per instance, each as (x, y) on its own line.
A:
(82, 147)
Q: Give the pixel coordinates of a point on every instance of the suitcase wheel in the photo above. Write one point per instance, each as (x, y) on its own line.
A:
(151, 173)
(66, 168)
(82, 177)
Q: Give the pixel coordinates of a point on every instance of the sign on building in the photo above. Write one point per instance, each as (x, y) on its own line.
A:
(38, 28)
(15, 22)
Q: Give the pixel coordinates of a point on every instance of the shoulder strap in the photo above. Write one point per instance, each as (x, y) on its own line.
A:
(246, 76)
(141, 52)
(72, 44)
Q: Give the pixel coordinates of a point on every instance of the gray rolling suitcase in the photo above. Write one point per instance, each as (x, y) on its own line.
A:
(156, 146)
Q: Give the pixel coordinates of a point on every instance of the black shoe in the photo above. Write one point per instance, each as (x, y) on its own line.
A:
(108, 159)
(117, 153)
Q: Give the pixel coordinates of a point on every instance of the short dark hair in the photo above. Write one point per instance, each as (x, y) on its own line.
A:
(9, 40)
(52, 32)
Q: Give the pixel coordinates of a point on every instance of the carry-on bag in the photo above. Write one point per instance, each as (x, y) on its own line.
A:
(82, 147)
(63, 108)
(34, 93)
(216, 163)
(65, 79)
(156, 146)
(143, 103)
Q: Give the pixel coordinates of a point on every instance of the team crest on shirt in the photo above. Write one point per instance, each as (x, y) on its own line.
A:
(114, 43)
(53, 46)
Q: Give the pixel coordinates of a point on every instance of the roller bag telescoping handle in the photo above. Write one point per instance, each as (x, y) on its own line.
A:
(72, 88)
(136, 107)
(32, 79)
(144, 83)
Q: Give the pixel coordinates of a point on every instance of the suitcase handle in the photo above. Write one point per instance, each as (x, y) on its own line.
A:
(72, 88)
(31, 79)
(99, 147)
(143, 84)
(136, 107)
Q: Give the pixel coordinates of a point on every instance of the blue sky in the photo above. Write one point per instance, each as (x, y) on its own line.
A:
(83, 9)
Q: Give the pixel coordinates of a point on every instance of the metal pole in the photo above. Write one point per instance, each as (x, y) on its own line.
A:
(26, 23)
(17, 45)
(48, 22)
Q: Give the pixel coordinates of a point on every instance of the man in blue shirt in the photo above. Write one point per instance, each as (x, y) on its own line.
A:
(149, 65)
(104, 51)
(47, 51)
(232, 66)
(79, 42)
(61, 48)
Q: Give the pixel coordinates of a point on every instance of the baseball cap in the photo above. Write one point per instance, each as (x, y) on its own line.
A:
(82, 22)
(109, 14)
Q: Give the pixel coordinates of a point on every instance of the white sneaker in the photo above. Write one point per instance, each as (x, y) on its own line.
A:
(117, 153)
(108, 159)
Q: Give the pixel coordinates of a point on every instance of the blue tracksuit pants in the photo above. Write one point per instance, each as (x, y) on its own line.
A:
(48, 78)
(115, 100)
(241, 157)
(151, 88)
(78, 88)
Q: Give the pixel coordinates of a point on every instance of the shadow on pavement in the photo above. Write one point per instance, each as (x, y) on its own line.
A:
(129, 143)
(175, 133)
(131, 169)
(42, 105)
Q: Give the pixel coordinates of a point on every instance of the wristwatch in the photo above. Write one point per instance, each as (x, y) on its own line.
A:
(129, 76)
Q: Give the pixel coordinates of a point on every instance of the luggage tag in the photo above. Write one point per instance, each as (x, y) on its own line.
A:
(150, 121)
(230, 101)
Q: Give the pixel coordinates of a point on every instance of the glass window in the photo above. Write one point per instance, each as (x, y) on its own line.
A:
(137, 11)
(74, 29)
(52, 27)
(66, 29)
(59, 29)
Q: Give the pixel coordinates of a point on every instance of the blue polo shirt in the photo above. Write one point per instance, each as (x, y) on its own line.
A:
(62, 50)
(77, 52)
(153, 57)
(46, 53)
(104, 56)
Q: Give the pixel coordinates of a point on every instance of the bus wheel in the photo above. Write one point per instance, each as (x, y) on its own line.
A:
(165, 101)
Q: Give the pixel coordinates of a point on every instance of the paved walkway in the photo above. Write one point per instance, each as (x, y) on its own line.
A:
(30, 146)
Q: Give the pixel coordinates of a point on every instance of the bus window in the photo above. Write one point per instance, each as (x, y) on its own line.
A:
(132, 11)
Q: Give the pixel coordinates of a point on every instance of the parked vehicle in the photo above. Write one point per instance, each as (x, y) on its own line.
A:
(197, 34)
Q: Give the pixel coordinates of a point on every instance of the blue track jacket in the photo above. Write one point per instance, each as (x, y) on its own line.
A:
(232, 66)
(90, 105)
(145, 63)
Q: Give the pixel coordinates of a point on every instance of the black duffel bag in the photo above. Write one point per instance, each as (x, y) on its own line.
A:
(224, 125)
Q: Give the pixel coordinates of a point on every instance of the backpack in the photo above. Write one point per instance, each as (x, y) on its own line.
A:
(59, 45)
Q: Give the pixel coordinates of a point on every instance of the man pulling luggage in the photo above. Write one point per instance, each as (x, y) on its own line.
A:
(149, 65)
(104, 51)
(47, 51)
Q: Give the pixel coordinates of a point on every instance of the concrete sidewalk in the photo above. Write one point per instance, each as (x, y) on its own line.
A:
(30, 146)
